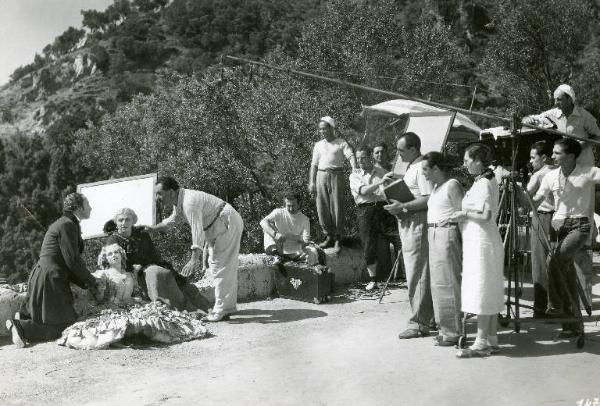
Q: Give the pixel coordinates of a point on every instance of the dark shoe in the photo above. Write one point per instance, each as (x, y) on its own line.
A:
(442, 342)
(327, 243)
(556, 314)
(412, 333)
(539, 314)
(568, 334)
(16, 333)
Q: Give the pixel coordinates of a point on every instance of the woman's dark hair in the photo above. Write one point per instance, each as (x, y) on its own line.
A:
(569, 146)
(438, 159)
(73, 201)
(168, 183)
(381, 144)
(480, 152)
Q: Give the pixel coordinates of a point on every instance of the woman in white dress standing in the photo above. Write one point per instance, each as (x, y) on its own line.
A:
(482, 289)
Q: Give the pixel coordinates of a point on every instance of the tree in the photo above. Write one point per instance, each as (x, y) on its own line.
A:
(536, 47)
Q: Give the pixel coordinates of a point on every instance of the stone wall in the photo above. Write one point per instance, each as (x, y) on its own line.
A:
(256, 280)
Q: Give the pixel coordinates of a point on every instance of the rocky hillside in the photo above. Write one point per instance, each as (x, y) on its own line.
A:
(118, 51)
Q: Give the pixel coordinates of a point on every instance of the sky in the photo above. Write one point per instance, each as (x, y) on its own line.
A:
(27, 26)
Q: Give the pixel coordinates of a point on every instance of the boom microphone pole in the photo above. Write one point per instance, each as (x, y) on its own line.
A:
(507, 120)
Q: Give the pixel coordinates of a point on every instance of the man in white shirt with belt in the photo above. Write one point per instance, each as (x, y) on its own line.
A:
(327, 180)
(373, 220)
(412, 224)
(571, 186)
(214, 221)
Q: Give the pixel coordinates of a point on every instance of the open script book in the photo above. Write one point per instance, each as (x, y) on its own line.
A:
(398, 190)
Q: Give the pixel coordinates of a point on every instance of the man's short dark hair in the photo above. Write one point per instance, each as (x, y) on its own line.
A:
(168, 183)
(569, 146)
(291, 195)
(364, 148)
(381, 144)
(412, 140)
(438, 159)
(73, 201)
(542, 148)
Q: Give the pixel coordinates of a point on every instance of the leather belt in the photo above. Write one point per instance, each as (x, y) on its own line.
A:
(370, 204)
(221, 207)
(331, 170)
(449, 224)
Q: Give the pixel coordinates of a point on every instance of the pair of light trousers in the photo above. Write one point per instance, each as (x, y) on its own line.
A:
(224, 238)
(415, 251)
(330, 191)
(445, 265)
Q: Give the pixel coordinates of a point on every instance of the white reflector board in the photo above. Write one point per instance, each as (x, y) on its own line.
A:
(108, 196)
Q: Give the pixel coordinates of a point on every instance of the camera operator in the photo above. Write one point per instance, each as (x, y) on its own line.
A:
(571, 186)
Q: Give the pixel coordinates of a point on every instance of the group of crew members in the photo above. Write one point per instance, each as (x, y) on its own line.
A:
(451, 246)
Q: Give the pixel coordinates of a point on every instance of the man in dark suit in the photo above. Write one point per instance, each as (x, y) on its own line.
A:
(50, 300)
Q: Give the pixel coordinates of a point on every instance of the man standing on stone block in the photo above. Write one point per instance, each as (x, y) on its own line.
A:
(327, 180)
(214, 221)
(412, 224)
(286, 229)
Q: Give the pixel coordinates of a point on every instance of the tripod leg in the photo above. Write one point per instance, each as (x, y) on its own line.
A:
(392, 272)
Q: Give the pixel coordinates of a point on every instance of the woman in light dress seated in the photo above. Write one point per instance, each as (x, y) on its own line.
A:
(119, 283)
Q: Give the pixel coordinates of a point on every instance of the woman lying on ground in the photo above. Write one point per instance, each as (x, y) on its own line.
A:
(157, 279)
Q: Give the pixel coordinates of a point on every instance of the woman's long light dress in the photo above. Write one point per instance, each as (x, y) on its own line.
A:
(482, 288)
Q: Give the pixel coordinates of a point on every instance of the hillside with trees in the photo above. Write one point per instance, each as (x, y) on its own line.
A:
(142, 88)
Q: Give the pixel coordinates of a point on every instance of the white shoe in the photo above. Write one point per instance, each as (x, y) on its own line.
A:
(371, 285)
(16, 337)
(214, 317)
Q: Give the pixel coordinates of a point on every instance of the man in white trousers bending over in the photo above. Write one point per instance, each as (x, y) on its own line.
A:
(214, 221)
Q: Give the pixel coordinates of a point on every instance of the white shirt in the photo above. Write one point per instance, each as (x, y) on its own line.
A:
(362, 178)
(198, 209)
(441, 204)
(572, 195)
(580, 123)
(286, 223)
(415, 180)
(534, 184)
(331, 155)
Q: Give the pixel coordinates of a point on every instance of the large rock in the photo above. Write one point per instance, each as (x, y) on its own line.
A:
(12, 297)
(256, 280)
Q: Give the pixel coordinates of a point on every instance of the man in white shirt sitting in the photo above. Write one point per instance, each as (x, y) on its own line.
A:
(571, 187)
(286, 229)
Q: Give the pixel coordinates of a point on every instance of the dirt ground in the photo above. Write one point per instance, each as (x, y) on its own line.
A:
(285, 352)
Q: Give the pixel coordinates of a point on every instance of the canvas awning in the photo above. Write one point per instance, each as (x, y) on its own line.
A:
(400, 107)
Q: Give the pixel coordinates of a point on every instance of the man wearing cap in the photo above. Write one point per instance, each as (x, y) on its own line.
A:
(327, 180)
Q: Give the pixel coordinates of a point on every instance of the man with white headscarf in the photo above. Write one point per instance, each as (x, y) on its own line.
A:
(328, 182)
(572, 119)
